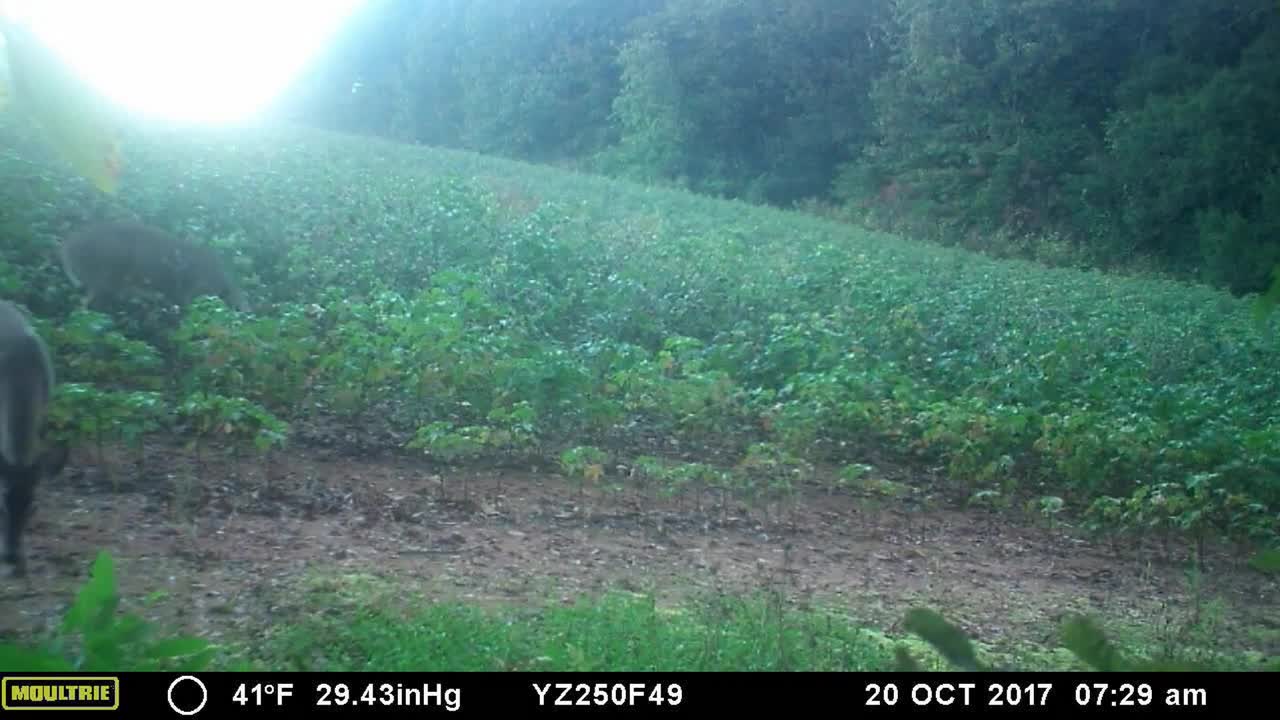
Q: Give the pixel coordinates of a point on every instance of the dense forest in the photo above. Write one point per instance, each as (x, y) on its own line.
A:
(1117, 134)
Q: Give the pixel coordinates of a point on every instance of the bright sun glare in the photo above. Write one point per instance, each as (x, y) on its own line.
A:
(209, 61)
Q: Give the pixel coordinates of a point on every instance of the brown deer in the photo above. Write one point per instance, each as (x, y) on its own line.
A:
(113, 257)
(26, 385)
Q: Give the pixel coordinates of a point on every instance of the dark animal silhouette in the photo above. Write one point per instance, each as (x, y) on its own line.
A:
(111, 258)
(26, 384)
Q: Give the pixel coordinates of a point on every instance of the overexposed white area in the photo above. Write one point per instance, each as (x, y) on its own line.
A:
(202, 61)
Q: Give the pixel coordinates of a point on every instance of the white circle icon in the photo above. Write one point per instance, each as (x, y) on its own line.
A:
(204, 691)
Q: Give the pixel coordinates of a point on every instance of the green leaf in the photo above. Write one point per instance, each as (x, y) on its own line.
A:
(947, 639)
(97, 600)
(1087, 641)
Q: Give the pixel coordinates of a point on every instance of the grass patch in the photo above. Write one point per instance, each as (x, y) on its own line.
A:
(615, 632)
(362, 623)
(347, 627)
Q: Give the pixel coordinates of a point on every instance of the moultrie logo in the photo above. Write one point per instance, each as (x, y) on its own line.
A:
(52, 692)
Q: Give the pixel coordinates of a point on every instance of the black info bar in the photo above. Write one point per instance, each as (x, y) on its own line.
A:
(214, 694)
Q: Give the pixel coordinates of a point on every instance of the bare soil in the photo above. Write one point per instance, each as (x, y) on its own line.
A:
(225, 544)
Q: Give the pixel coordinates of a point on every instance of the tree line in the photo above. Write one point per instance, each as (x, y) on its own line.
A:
(1112, 133)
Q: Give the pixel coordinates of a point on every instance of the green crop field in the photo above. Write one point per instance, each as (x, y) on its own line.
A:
(707, 365)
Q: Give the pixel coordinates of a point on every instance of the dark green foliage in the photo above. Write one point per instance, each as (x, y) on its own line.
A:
(1086, 640)
(1194, 169)
(1104, 123)
(946, 638)
(748, 99)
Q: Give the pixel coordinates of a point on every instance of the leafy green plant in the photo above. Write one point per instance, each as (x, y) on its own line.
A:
(81, 413)
(585, 465)
(772, 474)
(243, 421)
(268, 358)
(94, 637)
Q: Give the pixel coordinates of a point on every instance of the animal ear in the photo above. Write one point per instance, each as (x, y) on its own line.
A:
(55, 459)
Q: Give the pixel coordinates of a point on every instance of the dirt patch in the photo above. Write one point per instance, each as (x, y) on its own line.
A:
(217, 544)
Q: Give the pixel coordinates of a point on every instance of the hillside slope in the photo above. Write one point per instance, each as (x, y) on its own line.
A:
(463, 310)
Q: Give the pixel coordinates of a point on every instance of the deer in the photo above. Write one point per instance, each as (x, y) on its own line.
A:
(26, 386)
(110, 258)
